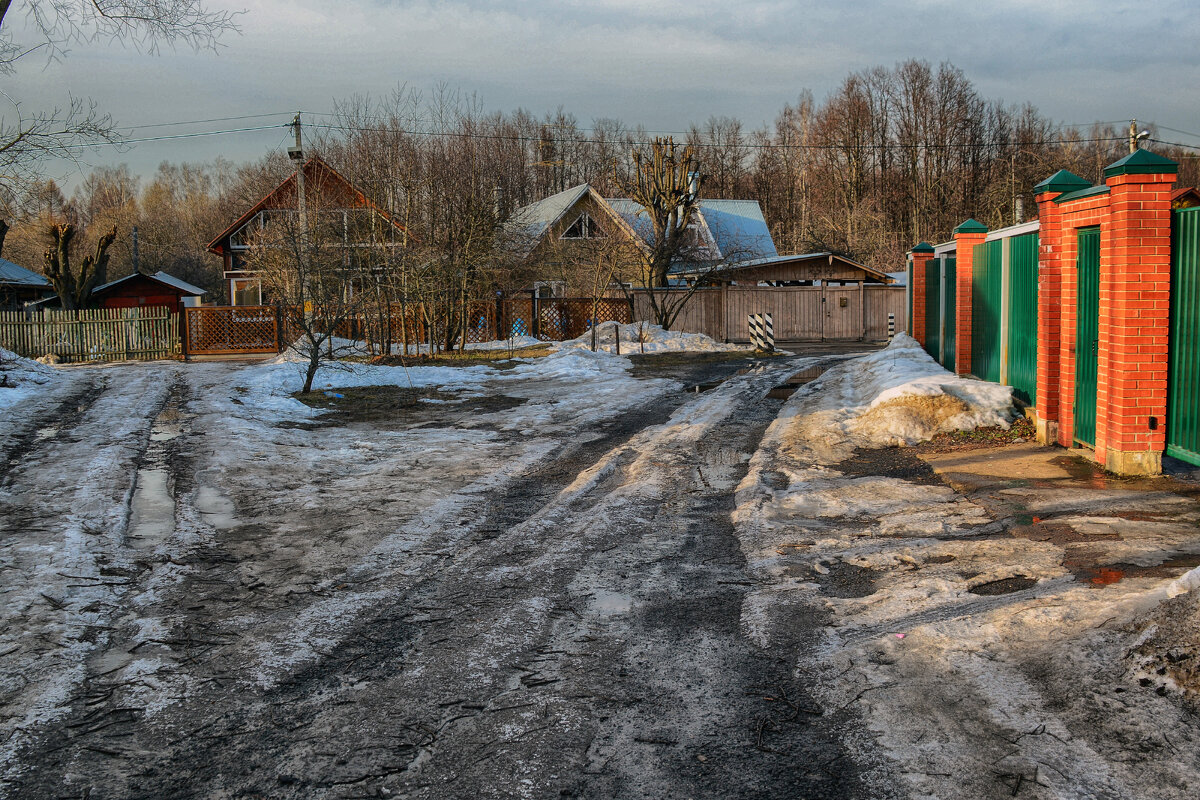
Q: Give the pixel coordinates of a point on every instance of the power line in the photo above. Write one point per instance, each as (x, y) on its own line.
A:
(209, 121)
(88, 145)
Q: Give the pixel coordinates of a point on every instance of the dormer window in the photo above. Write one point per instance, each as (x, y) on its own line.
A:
(584, 227)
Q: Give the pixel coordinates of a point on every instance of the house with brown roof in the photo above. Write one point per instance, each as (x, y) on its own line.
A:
(342, 205)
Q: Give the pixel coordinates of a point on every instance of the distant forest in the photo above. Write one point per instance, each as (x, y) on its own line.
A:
(892, 157)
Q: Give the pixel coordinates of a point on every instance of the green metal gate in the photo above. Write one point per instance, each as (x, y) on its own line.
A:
(1087, 335)
(987, 273)
(933, 307)
(939, 310)
(1022, 316)
(950, 317)
(1183, 380)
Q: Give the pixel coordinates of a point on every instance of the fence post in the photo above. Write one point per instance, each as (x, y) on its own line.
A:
(278, 329)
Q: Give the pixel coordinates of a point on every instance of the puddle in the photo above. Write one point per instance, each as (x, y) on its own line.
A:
(49, 432)
(216, 509)
(610, 603)
(1016, 583)
(704, 387)
(1114, 573)
(152, 512)
(782, 392)
(806, 375)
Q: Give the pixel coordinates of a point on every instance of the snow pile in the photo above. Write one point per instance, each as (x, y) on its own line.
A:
(643, 337)
(20, 377)
(1167, 656)
(901, 396)
(515, 343)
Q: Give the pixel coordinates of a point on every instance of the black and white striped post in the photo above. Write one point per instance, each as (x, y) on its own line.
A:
(891, 326)
(762, 332)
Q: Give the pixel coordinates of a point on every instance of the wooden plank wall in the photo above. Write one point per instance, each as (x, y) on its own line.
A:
(879, 301)
(798, 313)
(100, 334)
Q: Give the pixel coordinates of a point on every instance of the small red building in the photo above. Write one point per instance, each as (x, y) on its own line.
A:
(147, 291)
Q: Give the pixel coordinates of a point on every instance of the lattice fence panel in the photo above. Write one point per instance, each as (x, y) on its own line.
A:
(232, 329)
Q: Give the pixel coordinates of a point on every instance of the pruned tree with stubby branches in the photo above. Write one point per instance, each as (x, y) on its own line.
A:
(74, 285)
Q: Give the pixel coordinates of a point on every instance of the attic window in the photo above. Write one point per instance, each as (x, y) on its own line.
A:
(584, 227)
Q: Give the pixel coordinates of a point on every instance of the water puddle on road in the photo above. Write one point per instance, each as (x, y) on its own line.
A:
(216, 509)
(611, 603)
(152, 509)
(1016, 583)
(789, 387)
(1115, 573)
(152, 513)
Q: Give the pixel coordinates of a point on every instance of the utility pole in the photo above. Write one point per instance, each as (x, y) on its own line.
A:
(1135, 137)
(297, 154)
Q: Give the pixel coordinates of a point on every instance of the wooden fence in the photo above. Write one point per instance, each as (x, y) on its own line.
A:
(799, 313)
(246, 330)
(101, 334)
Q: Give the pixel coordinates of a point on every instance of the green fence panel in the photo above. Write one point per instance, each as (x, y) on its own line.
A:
(1087, 335)
(933, 303)
(1022, 316)
(1183, 396)
(986, 287)
(950, 327)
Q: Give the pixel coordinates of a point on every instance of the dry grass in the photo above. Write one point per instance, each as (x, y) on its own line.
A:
(926, 411)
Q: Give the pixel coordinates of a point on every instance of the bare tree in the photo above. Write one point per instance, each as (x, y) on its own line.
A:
(665, 184)
(28, 138)
(74, 285)
(305, 259)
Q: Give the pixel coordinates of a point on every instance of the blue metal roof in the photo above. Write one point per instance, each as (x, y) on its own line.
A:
(738, 228)
(10, 273)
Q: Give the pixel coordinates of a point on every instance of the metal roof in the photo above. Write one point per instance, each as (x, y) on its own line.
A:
(778, 260)
(729, 229)
(736, 228)
(159, 276)
(11, 274)
(529, 223)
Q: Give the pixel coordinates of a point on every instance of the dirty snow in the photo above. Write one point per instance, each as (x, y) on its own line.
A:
(23, 378)
(980, 662)
(643, 337)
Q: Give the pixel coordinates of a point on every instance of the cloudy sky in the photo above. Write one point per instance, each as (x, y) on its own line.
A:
(662, 63)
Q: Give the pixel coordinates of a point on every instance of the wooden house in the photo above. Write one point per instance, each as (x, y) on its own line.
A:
(328, 194)
(565, 232)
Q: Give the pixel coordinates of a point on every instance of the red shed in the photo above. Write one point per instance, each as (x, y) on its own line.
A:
(146, 291)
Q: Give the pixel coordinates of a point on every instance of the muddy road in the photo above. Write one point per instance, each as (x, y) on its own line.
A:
(204, 599)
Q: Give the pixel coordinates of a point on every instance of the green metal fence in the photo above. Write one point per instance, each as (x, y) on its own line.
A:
(940, 332)
(1087, 335)
(1021, 353)
(933, 307)
(987, 286)
(1183, 396)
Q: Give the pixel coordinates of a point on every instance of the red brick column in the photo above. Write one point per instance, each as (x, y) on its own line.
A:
(1051, 302)
(966, 236)
(920, 255)
(1135, 301)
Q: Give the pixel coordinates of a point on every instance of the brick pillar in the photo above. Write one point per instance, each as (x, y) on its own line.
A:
(920, 255)
(1051, 302)
(966, 236)
(1135, 301)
